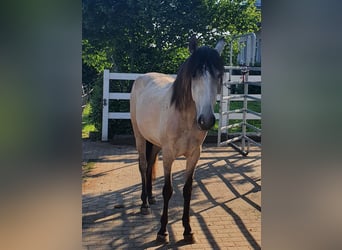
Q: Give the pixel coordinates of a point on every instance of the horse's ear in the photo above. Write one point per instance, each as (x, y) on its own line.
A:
(192, 44)
(220, 45)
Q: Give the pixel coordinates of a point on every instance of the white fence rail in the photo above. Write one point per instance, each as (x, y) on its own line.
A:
(107, 96)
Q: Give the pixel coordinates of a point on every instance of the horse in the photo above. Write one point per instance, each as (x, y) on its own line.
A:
(173, 115)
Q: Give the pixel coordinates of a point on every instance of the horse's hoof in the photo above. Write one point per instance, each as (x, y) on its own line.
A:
(152, 200)
(163, 238)
(145, 210)
(190, 238)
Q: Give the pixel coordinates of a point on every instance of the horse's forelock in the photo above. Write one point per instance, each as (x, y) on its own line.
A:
(181, 95)
(205, 58)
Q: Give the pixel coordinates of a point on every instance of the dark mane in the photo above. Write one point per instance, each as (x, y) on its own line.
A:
(204, 58)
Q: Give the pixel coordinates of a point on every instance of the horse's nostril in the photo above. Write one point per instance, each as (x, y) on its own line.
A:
(201, 120)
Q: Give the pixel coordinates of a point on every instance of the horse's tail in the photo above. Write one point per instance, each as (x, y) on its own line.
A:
(151, 159)
(154, 168)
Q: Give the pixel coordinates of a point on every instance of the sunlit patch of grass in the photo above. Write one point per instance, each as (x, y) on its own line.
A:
(252, 105)
(87, 126)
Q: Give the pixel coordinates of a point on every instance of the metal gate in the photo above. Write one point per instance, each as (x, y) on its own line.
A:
(225, 137)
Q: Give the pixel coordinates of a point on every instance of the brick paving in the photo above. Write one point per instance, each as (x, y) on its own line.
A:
(225, 206)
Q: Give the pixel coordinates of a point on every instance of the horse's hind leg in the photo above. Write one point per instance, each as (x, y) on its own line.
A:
(141, 147)
(151, 155)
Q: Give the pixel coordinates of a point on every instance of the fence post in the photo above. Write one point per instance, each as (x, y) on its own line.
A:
(105, 104)
(224, 107)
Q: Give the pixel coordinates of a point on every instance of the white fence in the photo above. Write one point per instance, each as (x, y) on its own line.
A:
(107, 96)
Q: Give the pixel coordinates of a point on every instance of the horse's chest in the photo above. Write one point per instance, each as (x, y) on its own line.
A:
(187, 141)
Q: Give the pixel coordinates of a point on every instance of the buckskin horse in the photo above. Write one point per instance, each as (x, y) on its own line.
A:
(174, 115)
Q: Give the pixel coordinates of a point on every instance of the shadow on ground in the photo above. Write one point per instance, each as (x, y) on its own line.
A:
(112, 220)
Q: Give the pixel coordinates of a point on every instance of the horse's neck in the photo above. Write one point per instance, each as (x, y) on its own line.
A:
(189, 114)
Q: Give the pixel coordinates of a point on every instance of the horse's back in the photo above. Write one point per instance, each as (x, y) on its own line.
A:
(150, 97)
(152, 81)
(151, 85)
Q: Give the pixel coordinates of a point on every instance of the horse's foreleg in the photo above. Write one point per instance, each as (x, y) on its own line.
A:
(190, 168)
(167, 193)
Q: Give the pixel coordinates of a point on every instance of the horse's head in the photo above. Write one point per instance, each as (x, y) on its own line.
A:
(206, 68)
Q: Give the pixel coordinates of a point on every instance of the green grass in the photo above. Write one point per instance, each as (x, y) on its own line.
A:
(252, 105)
(87, 126)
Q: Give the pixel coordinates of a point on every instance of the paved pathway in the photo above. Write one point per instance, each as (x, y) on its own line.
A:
(225, 207)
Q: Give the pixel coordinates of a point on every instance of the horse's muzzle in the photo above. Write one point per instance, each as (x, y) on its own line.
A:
(206, 122)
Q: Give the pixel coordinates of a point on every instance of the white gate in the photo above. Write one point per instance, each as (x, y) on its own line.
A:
(106, 115)
(107, 96)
